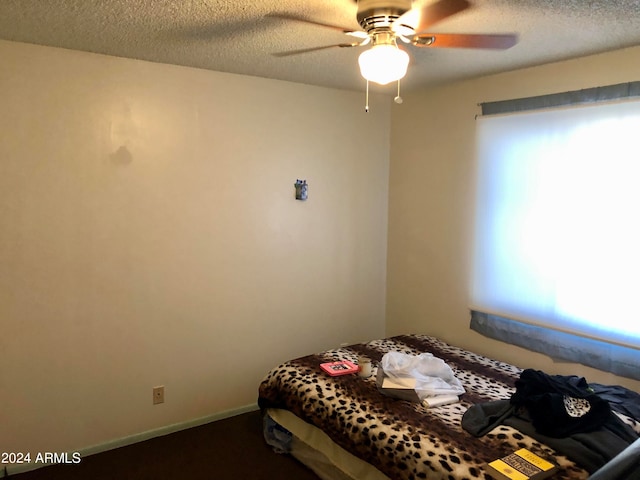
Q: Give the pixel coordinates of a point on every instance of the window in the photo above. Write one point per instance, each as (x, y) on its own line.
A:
(558, 224)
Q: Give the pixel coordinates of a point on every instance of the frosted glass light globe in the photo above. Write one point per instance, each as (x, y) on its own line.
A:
(383, 63)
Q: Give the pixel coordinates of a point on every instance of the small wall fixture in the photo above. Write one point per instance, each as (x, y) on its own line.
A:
(301, 189)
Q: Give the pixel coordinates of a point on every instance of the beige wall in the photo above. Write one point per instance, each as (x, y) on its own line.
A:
(431, 200)
(150, 236)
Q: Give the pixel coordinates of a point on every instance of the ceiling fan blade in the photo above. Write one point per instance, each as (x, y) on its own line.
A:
(288, 16)
(461, 40)
(421, 19)
(314, 49)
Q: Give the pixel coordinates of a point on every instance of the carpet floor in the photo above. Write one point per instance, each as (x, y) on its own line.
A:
(229, 449)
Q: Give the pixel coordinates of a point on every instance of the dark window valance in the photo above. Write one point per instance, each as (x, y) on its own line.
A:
(617, 359)
(588, 95)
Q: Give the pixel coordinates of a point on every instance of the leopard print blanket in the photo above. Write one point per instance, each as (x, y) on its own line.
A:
(405, 440)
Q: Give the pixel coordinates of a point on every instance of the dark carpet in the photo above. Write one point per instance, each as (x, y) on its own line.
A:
(229, 449)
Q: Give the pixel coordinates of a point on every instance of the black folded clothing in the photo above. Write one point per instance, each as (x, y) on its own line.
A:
(558, 405)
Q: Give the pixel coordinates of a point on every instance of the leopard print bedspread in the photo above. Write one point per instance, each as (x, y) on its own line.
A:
(405, 440)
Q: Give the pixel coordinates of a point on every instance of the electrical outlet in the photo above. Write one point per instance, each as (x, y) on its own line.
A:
(158, 395)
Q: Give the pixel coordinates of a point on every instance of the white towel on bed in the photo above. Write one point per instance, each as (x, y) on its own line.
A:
(433, 376)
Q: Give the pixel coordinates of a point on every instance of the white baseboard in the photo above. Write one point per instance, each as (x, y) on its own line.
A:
(15, 469)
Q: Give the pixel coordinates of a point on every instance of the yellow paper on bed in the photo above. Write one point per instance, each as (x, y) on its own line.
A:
(521, 465)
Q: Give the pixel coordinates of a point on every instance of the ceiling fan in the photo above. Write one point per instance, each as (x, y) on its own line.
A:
(383, 22)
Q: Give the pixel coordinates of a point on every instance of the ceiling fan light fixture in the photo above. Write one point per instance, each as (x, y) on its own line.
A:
(383, 63)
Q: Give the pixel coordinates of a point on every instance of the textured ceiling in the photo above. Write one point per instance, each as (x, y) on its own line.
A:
(235, 36)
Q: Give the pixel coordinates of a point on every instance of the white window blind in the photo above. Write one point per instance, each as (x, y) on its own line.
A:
(558, 219)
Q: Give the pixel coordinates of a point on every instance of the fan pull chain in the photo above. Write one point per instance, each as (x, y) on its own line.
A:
(398, 98)
(366, 106)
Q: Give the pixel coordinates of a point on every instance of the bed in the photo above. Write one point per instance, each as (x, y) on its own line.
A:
(343, 427)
